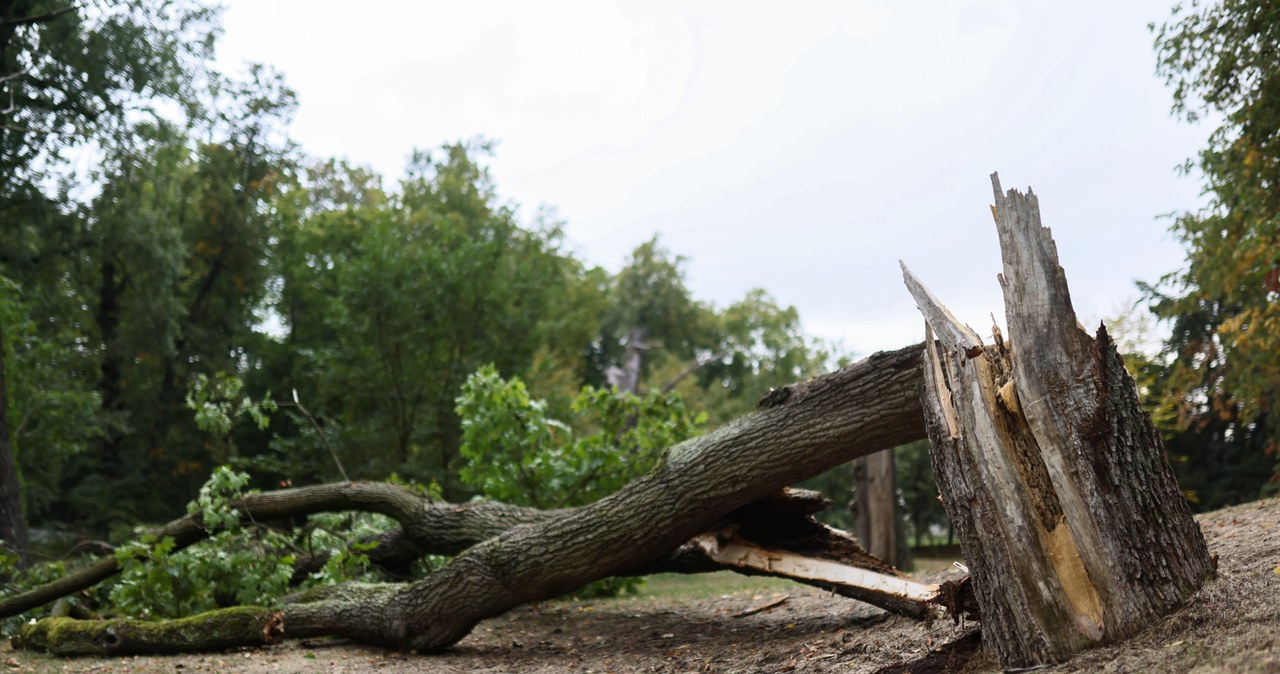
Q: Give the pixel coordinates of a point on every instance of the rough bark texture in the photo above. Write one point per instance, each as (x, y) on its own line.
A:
(1070, 518)
(528, 555)
(781, 521)
(775, 536)
(798, 431)
(875, 519)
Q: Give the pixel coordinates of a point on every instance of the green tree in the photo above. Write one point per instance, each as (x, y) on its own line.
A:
(758, 345)
(390, 301)
(515, 452)
(172, 265)
(71, 73)
(1223, 375)
(52, 408)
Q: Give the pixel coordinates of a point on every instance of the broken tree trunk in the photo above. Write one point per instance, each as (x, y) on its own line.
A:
(798, 431)
(779, 524)
(1069, 516)
(775, 536)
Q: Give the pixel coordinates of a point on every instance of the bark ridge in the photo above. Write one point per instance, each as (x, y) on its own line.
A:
(1069, 515)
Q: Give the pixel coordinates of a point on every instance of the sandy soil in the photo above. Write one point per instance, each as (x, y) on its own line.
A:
(1232, 625)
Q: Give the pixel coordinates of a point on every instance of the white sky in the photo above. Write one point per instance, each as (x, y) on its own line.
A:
(801, 147)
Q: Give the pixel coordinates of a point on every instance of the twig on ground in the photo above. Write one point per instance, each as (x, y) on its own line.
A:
(763, 607)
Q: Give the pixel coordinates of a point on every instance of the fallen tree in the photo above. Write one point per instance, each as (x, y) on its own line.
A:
(672, 519)
(1067, 511)
(775, 536)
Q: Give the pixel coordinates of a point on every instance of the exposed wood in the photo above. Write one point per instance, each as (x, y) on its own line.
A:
(1068, 514)
(344, 610)
(815, 425)
(782, 521)
(887, 591)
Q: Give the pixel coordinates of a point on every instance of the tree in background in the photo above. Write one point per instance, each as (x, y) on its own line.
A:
(176, 246)
(1221, 384)
(198, 247)
(391, 300)
(651, 318)
(70, 74)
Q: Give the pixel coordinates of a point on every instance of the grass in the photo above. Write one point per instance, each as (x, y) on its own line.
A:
(707, 585)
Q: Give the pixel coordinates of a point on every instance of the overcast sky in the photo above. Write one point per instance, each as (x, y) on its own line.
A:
(801, 147)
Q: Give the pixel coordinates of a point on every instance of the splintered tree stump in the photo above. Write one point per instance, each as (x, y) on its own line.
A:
(1071, 520)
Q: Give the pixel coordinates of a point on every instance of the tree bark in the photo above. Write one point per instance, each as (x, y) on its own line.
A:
(1068, 514)
(626, 377)
(875, 517)
(776, 536)
(14, 534)
(216, 630)
(798, 431)
(429, 528)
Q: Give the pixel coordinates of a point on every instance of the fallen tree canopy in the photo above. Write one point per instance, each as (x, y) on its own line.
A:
(775, 536)
(712, 504)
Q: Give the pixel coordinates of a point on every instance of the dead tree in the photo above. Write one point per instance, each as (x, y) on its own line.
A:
(1069, 516)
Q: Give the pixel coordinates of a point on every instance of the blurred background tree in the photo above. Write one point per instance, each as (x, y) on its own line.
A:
(1219, 374)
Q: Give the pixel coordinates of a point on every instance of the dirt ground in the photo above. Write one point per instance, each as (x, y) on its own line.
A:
(1232, 625)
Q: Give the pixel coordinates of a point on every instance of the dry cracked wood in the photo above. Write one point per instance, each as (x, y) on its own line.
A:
(1070, 518)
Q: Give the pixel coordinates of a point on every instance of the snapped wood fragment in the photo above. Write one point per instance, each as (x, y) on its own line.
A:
(1055, 478)
(739, 553)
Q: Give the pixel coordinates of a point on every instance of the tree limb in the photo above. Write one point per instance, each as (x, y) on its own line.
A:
(517, 555)
(38, 18)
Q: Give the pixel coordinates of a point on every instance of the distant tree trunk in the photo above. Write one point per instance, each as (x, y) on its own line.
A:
(627, 376)
(1068, 514)
(110, 385)
(875, 516)
(13, 521)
